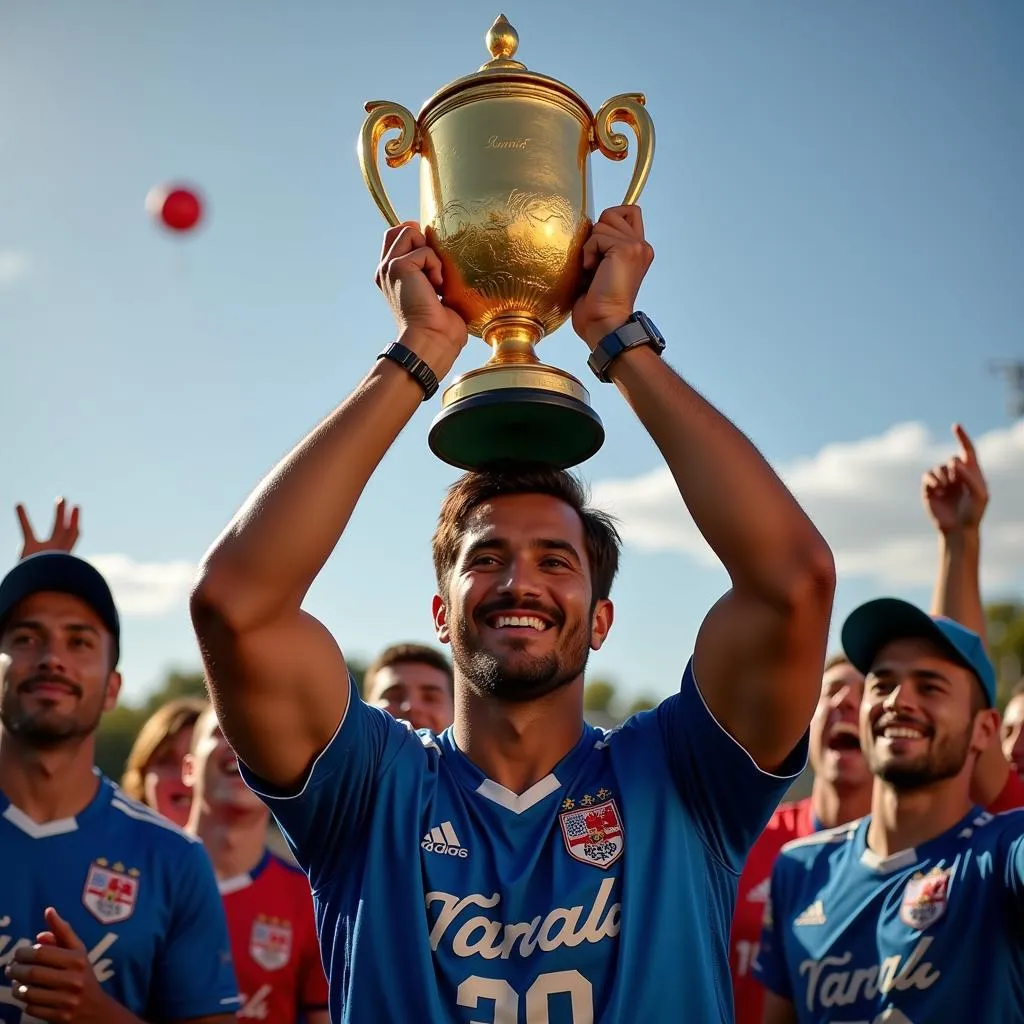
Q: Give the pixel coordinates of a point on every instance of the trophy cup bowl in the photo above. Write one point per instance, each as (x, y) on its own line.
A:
(505, 203)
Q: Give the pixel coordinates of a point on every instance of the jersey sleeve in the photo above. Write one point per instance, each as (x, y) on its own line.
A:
(769, 966)
(730, 798)
(325, 815)
(195, 976)
(1012, 841)
(313, 994)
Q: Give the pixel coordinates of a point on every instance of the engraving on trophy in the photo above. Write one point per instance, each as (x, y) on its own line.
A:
(497, 142)
(517, 251)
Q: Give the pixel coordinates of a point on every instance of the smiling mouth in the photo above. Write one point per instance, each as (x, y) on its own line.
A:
(843, 738)
(901, 732)
(534, 622)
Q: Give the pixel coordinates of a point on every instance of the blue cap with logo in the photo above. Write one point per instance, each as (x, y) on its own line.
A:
(870, 627)
(65, 574)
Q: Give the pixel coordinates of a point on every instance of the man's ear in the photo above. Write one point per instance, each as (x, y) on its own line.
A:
(113, 691)
(601, 623)
(440, 615)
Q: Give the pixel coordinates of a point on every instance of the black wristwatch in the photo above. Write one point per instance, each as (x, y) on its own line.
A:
(639, 329)
(413, 365)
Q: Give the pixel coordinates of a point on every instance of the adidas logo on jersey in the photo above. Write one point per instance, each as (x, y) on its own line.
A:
(814, 914)
(442, 839)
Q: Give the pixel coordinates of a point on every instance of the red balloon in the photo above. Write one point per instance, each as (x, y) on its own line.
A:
(178, 207)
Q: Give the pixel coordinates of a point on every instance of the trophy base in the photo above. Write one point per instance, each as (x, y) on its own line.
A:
(522, 413)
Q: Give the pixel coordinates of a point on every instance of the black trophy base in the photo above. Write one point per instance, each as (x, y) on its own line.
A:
(516, 424)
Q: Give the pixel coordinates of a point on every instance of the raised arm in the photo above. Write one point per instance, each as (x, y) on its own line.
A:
(277, 678)
(955, 497)
(759, 652)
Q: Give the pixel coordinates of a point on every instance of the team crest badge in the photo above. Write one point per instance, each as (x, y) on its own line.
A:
(110, 891)
(924, 899)
(270, 942)
(592, 831)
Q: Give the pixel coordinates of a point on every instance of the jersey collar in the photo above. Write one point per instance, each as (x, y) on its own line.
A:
(470, 776)
(938, 845)
(59, 826)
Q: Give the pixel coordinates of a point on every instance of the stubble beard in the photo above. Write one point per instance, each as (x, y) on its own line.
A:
(46, 729)
(943, 761)
(518, 677)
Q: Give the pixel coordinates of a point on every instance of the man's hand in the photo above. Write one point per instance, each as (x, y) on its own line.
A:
(410, 276)
(620, 257)
(63, 536)
(955, 493)
(55, 979)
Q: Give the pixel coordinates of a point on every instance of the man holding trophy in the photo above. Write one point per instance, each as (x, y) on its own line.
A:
(521, 866)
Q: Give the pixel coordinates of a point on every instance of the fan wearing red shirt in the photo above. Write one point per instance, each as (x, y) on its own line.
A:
(841, 792)
(267, 900)
(955, 496)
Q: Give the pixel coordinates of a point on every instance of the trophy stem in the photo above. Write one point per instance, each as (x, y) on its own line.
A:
(512, 339)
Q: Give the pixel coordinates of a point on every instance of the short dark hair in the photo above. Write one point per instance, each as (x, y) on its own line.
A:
(474, 488)
(408, 654)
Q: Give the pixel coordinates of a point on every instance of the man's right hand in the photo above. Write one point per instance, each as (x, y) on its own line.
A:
(955, 492)
(410, 276)
(63, 536)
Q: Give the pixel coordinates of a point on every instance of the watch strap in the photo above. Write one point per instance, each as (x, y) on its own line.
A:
(413, 365)
(637, 330)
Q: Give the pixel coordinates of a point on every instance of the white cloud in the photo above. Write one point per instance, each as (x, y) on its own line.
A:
(13, 266)
(864, 497)
(146, 589)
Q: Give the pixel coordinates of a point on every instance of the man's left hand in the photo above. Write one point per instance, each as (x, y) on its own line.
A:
(619, 256)
(55, 979)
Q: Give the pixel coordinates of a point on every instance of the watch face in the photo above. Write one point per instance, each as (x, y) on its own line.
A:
(648, 325)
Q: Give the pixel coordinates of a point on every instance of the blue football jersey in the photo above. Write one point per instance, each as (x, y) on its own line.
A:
(139, 893)
(604, 892)
(931, 935)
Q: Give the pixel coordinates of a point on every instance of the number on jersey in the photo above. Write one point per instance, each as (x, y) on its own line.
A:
(506, 1000)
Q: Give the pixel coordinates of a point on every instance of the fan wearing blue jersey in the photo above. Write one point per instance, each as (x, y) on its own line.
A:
(108, 913)
(914, 914)
(564, 874)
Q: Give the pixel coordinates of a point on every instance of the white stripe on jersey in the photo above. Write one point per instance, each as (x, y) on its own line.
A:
(839, 834)
(140, 812)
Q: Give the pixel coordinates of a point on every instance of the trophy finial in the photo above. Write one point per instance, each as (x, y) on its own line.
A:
(502, 39)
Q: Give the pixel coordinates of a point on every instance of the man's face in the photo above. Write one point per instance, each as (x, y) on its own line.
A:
(55, 675)
(835, 752)
(211, 769)
(163, 786)
(916, 721)
(414, 691)
(1012, 733)
(519, 612)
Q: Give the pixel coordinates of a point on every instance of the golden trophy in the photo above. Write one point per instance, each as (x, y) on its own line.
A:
(505, 202)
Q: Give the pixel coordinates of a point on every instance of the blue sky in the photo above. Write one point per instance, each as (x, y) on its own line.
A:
(835, 205)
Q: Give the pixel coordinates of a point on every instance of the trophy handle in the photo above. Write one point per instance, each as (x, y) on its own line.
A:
(383, 116)
(627, 108)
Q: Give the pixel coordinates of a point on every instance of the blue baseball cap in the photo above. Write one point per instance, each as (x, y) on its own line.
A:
(66, 574)
(870, 627)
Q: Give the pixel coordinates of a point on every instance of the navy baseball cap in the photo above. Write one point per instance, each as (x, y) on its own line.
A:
(65, 574)
(870, 627)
